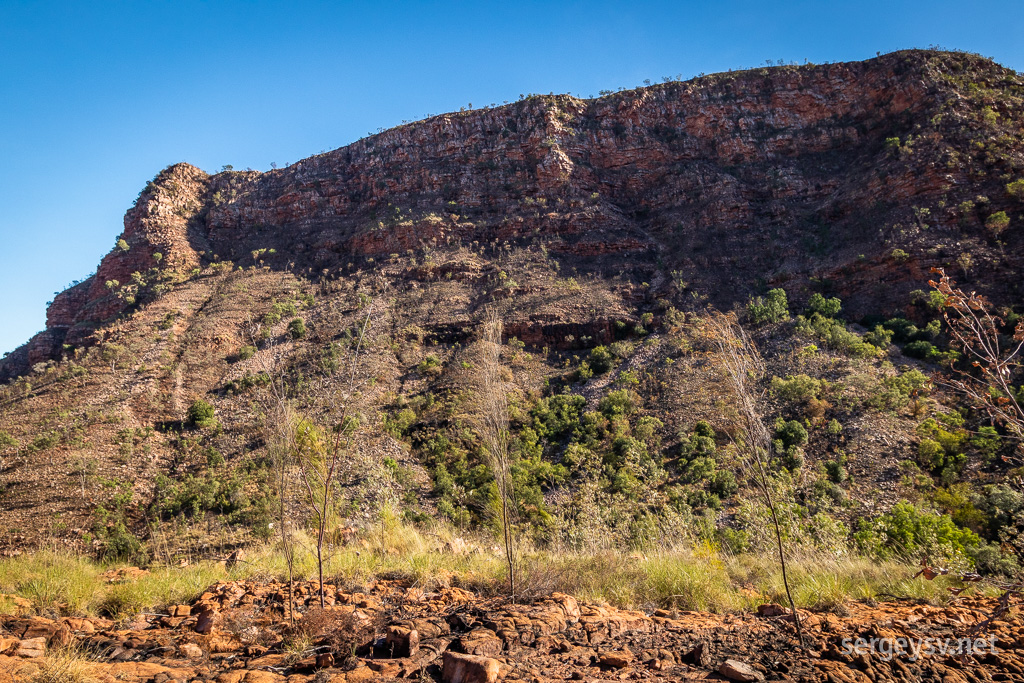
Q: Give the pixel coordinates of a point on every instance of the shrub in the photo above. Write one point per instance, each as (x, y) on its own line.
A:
(910, 532)
(1016, 189)
(796, 387)
(790, 433)
(828, 308)
(201, 414)
(997, 222)
(600, 360)
(722, 483)
(122, 245)
(297, 328)
(431, 365)
(770, 309)
(246, 352)
(835, 471)
(879, 337)
(900, 256)
(921, 349)
(6, 440)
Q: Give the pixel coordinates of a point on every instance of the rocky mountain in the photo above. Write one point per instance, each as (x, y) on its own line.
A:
(610, 224)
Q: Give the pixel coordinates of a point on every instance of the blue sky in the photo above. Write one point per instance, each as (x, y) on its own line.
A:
(97, 97)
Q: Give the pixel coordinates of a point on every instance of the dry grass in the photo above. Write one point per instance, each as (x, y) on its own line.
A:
(64, 665)
(689, 578)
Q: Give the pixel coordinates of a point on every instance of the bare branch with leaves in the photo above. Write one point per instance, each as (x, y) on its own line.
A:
(975, 331)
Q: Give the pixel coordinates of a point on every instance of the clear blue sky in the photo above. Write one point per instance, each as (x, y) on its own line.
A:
(98, 96)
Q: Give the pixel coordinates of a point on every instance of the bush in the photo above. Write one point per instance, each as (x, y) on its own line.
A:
(771, 309)
(201, 414)
(431, 365)
(923, 350)
(790, 433)
(909, 532)
(722, 483)
(835, 471)
(828, 308)
(997, 222)
(600, 360)
(1016, 189)
(796, 387)
(246, 352)
(297, 328)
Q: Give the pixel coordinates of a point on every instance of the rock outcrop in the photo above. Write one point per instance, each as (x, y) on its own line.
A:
(770, 175)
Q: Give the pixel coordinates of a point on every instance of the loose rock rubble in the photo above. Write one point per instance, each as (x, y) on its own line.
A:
(243, 632)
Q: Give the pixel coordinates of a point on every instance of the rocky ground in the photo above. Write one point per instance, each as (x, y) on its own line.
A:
(241, 632)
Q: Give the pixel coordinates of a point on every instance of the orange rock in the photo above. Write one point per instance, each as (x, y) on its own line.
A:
(462, 668)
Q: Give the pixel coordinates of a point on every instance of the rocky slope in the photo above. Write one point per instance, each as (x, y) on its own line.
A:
(584, 222)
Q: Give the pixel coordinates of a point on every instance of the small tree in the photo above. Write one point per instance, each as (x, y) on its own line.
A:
(743, 369)
(492, 419)
(320, 455)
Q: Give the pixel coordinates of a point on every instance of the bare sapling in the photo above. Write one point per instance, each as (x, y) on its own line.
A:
(744, 371)
(282, 421)
(492, 422)
(320, 457)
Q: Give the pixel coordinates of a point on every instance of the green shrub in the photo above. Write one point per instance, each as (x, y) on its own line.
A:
(1016, 189)
(6, 440)
(790, 433)
(297, 328)
(923, 350)
(796, 387)
(773, 308)
(907, 531)
(201, 414)
(600, 360)
(835, 471)
(246, 352)
(997, 222)
(834, 335)
(828, 308)
(879, 337)
(431, 365)
(723, 484)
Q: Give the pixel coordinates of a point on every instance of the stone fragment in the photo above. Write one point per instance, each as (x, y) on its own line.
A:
(771, 610)
(480, 642)
(741, 672)
(181, 610)
(615, 660)
(31, 647)
(403, 642)
(463, 668)
(190, 650)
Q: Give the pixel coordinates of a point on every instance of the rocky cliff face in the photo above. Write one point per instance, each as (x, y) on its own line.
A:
(726, 183)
